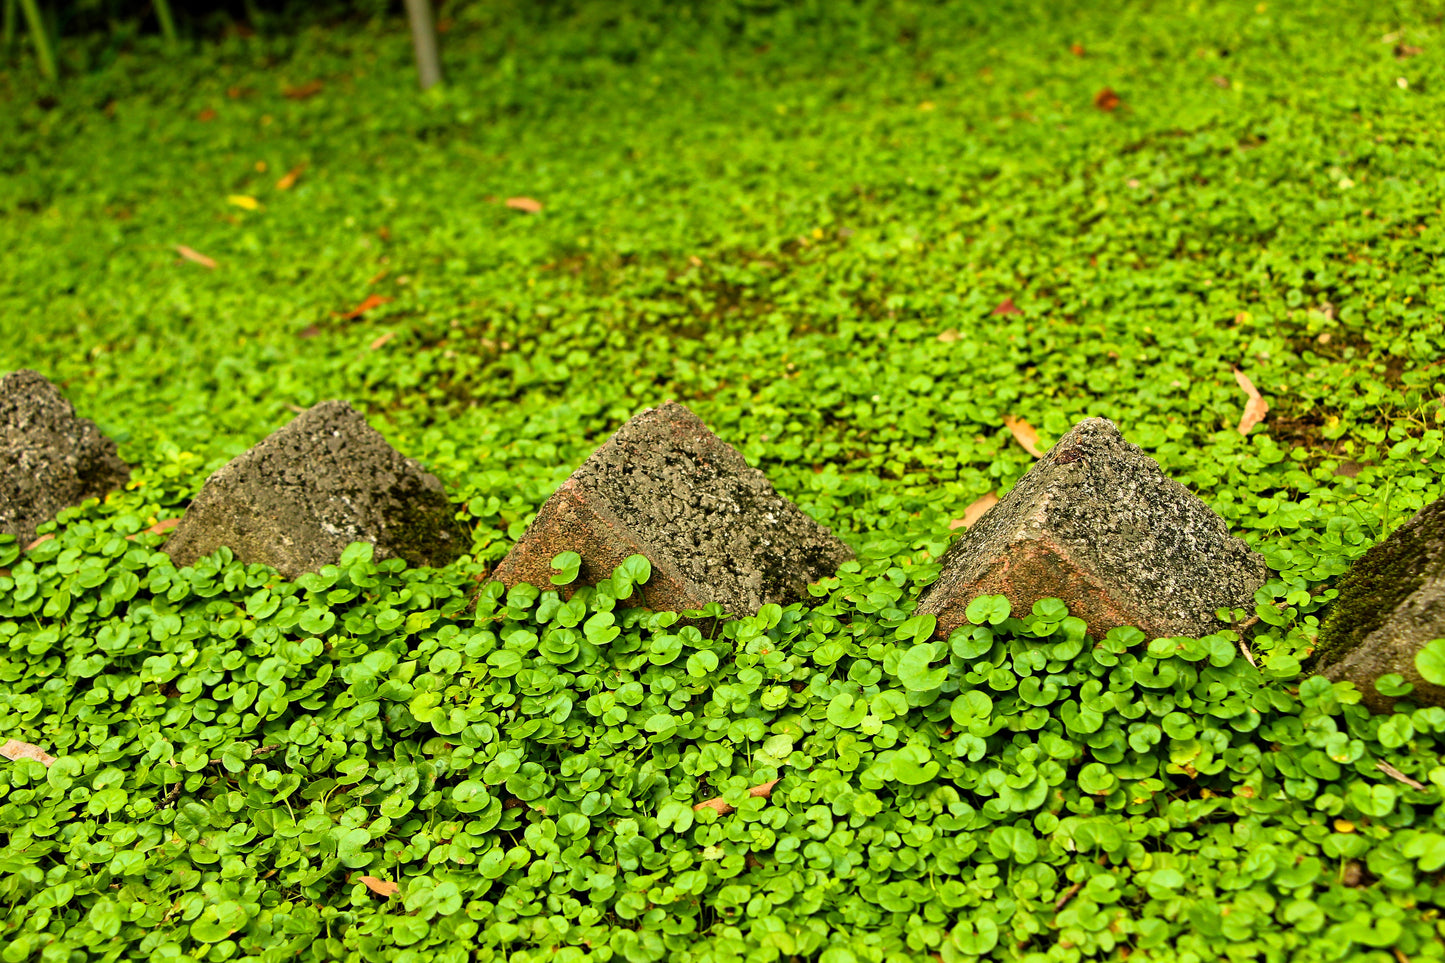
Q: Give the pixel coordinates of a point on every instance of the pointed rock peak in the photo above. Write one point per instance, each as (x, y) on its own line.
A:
(49, 458)
(714, 529)
(305, 492)
(1097, 524)
(1391, 605)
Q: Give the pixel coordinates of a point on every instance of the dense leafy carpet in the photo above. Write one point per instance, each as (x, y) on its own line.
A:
(853, 238)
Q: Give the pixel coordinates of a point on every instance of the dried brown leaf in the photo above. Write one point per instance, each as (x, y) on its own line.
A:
(950, 336)
(1255, 408)
(39, 542)
(1108, 101)
(15, 749)
(1005, 307)
(191, 254)
(1024, 434)
(722, 809)
(1399, 776)
(974, 512)
(300, 92)
(369, 302)
(381, 887)
(288, 179)
(524, 204)
(159, 528)
(382, 340)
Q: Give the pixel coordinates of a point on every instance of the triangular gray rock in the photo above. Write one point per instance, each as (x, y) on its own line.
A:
(300, 496)
(1097, 524)
(49, 458)
(713, 528)
(1391, 604)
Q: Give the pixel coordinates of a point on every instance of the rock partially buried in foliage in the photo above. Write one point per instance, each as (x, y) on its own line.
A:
(1097, 524)
(304, 493)
(1391, 604)
(49, 458)
(666, 487)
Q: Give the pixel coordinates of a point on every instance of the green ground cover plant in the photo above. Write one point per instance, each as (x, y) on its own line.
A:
(801, 220)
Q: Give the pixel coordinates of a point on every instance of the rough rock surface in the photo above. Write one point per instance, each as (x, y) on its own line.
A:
(714, 529)
(1391, 603)
(300, 496)
(49, 459)
(1097, 524)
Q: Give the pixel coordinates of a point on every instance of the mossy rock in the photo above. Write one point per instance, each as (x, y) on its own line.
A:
(1391, 603)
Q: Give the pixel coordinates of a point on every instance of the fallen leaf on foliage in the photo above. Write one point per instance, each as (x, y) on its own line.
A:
(38, 542)
(382, 340)
(1404, 51)
(974, 512)
(244, 201)
(15, 749)
(288, 179)
(208, 114)
(381, 887)
(159, 528)
(1076, 49)
(524, 204)
(1024, 434)
(1348, 469)
(950, 336)
(310, 331)
(1106, 100)
(309, 89)
(722, 808)
(1396, 774)
(191, 254)
(1220, 82)
(1006, 306)
(1255, 408)
(372, 301)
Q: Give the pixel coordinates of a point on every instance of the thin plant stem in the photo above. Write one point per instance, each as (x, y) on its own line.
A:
(40, 39)
(167, 22)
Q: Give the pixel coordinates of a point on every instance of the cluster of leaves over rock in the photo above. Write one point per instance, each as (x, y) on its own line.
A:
(245, 765)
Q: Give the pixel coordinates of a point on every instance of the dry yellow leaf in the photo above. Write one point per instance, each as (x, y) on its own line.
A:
(524, 204)
(1255, 408)
(1344, 826)
(15, 749)
(974, 512)
(381, 887)
(191, 254)
(1024, 434)
(950, 336)
(244, 201)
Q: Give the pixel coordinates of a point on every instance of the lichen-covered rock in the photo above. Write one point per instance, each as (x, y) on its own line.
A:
(714, 529)
(1391, 603)
(1097, 524)
(49, 458)
(300, 496)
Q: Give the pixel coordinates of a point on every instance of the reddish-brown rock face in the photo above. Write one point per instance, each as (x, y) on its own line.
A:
(666, 487)
(1098, 525)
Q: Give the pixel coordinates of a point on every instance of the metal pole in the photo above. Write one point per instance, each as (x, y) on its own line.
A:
(424, 39)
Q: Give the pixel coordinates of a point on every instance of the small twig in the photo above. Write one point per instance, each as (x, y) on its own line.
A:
(171, 796)
(1400, 955)
(264, 750)
(1394, 773)
(722, 809)
(1068, 895)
